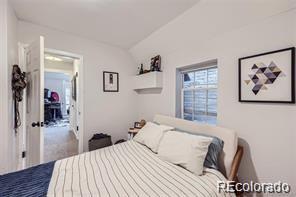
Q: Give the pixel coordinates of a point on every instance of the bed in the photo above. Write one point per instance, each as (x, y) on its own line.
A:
(126, 169)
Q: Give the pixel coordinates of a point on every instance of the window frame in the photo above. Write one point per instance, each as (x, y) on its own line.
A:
(192, 90)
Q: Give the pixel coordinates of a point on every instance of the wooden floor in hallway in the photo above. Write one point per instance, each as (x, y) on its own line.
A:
(59, 143)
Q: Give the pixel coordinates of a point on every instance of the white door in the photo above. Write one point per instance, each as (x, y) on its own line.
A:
(35, 102)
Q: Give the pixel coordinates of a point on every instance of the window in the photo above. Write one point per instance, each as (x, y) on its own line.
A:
(199, 95)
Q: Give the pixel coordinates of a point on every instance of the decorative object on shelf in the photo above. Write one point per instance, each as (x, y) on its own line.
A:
(141, 70)
(146, 71)
(18, 83)
(268, 77)
(110, 81)
(155, 63)
(137, 125)
(142, 123)
(74, 86)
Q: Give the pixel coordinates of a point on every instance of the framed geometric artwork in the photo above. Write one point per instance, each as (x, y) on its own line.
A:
(110, 81)
(268, 77)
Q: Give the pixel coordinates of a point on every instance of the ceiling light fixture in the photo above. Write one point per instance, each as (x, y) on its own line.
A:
(53, 58)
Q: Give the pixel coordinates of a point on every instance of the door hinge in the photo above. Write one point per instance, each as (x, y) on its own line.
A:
(77, 128)
(23, 154)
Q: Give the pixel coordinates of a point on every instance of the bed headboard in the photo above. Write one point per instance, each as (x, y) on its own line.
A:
(228, 136)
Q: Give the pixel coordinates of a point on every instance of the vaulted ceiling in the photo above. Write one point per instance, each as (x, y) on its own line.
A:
(117, 22)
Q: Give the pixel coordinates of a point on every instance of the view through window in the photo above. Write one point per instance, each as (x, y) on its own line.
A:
(199, 95)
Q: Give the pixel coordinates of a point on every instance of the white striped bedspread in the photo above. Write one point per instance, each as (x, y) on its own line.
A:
(128, 169)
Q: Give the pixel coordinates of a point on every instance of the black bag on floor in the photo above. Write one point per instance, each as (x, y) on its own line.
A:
(99, 141)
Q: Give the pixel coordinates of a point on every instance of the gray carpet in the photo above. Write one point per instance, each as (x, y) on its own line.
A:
(59, 143)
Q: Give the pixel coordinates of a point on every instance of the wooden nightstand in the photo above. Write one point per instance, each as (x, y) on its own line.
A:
(132, 132)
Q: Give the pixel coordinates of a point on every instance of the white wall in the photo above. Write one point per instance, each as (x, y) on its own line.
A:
(12, 59)
(112, 113)
(4, 161)
(228, 31)
(9, 57)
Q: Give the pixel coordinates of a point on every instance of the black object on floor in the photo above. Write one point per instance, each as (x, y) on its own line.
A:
(120, 141)
(100, 140)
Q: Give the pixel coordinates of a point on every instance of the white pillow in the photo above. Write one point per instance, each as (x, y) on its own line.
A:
(151, 134)
(186, 150)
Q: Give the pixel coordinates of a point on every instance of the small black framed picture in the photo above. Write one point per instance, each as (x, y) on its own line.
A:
(110, 81)
(268, 77)
(137, 125)
(155, 64)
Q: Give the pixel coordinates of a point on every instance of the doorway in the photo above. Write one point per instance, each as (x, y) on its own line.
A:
(60, 115)
(60, 123)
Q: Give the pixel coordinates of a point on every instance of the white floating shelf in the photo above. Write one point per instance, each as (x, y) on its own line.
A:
(151, 80)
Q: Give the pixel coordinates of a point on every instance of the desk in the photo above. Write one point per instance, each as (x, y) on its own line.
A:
(52, 111)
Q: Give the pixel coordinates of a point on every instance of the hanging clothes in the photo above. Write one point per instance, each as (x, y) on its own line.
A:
(18, 83)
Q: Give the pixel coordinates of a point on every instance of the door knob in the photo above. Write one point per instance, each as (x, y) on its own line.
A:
(36, 124)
